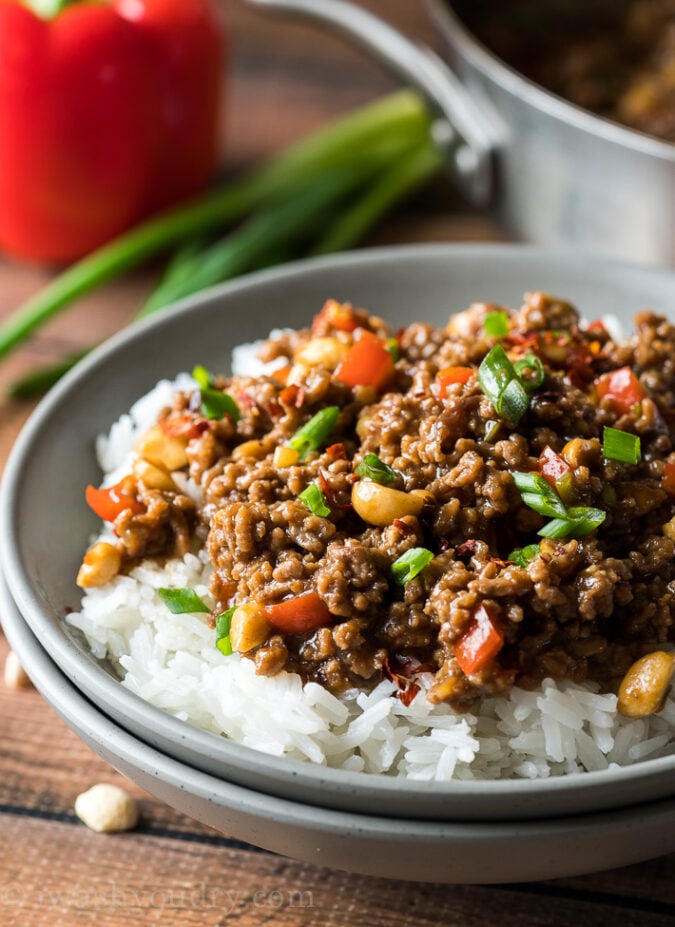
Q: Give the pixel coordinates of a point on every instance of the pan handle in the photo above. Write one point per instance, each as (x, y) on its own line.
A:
(458, 129)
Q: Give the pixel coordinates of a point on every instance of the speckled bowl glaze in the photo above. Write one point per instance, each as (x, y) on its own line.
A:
(45, 522)
(421, 850)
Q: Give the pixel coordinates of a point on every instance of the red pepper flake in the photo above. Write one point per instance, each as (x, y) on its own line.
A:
(399, 669)
(466, 550)
(185, 426)
(328, 491)
(522, 342)
(407, 695)
(402, 526)
(293, 395)
(273, 409)
(245, 399)
(337, 452)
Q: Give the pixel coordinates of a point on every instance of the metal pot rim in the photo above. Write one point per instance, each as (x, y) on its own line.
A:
(537, 96)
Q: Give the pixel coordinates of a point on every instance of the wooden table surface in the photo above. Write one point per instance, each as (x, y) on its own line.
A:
(172, 871)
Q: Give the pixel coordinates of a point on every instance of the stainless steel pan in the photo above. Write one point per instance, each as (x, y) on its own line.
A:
(550, 171)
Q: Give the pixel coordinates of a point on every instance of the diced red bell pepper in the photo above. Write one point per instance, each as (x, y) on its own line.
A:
(668, 482)
(366, 363)
(337, 315)
(111, 501)
(480, 643)
(108, 111)
(622, 387)
(557, 473)
(597, 326)
(450, 375)
(302, 613)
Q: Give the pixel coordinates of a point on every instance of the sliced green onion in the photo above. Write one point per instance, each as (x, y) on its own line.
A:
(315, 500)
(182, 601)
(223, 625)
(375, 469)
(496, 324)
(539, 495)
(315, 432)
(578, 522)
(391, 345)
(521, 556)
(501, 385)
(530, 371)
(410, 564)
(203, 377)
(621, 446)
(215, 403)
(492, 429)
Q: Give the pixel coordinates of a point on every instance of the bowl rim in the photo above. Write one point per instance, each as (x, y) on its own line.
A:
(59, 644)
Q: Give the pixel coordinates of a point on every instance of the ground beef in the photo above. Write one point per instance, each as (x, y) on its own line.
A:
(615, 59)
(580, 606)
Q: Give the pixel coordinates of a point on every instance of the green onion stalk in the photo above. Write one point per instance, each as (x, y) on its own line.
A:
(322, 194)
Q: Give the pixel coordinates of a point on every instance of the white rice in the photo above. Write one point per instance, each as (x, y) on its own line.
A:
(172, 662)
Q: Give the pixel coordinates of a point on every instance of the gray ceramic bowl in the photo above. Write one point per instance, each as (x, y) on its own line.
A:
(45, 522)
(426, 851)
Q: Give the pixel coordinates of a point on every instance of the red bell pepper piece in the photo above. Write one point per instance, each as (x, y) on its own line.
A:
(337, 315)
(111, 501)
(622, 387)
(366, 363)
(668, 481)
(450, 375)
(299, 614)
(480, 643)
(108, 111)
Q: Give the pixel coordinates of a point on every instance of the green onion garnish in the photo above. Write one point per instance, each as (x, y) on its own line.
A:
(501, 385)
(215, 403)
(391, 345)
(375, 469)
(315, 500)
(621, 446)
(524, 555)
(223, 625)
(315, 432)
(539, 495)
(530, 371)
(410, 564)
(578, 522)
(202, 376)
(496, 324)
(182, 601)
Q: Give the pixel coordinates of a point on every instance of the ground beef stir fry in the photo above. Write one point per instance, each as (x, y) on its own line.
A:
(493, 502)
(614, 57)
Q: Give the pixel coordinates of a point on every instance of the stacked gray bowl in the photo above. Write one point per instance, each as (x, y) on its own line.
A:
(457, 831)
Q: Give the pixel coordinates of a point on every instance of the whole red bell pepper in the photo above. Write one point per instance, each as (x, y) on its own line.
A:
(108, 112)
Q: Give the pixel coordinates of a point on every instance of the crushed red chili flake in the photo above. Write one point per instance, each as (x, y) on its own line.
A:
(337, 452)
(466, 550)
(185, 426)
(402, 526)
(292, 395)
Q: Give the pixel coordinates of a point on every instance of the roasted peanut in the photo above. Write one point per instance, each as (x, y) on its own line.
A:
(105, 808)
(285, 457)
(249, 627)
(101, 562)
(380, 505)
(151, 476)
(252, 448)
(645, 685)
(669, 529)
(325, 352)
(579, 452)
(15, 675)
(162, 450)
